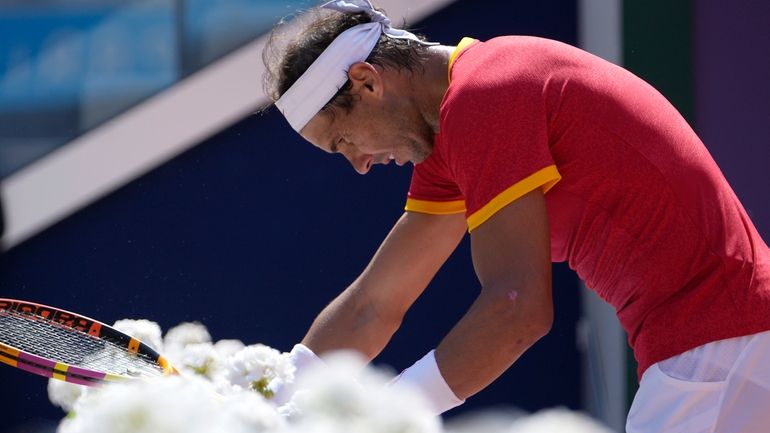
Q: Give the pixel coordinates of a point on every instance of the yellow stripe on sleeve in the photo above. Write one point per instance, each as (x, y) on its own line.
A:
(435, 207)
(545, 178)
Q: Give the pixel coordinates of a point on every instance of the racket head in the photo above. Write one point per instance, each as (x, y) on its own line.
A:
(59, 344)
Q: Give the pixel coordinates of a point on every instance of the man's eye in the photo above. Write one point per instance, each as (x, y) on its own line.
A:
(339, 144)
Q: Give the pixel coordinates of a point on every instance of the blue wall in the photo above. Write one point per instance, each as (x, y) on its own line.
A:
(253, 231)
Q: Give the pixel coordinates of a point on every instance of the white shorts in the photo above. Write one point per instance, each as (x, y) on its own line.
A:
(720, 387)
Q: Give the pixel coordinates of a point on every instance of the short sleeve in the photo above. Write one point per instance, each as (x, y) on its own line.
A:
(432, 189)
(496, 133)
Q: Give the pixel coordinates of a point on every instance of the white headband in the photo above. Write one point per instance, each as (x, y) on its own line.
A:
(329, 72)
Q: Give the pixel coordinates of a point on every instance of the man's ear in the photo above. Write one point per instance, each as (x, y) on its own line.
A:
(365, 78)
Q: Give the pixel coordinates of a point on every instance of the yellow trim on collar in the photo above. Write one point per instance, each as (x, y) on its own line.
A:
(545, 178)
(435, 207)
(464, 43)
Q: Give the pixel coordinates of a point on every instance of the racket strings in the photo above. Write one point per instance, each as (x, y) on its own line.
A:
(48, 339)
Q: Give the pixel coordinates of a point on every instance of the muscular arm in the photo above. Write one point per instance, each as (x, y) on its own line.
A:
(511, 255)
(365, 316)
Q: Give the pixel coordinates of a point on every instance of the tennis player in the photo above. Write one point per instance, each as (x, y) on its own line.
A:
(544, 153)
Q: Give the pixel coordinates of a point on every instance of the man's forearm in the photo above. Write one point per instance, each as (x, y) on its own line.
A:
(491, 336)
(367, 314)
(350, 322)
(511, 255)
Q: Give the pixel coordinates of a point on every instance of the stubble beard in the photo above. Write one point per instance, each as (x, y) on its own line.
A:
(420, 151)
(423, 146)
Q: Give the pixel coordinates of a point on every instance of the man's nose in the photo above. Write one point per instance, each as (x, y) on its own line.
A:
(361, 162)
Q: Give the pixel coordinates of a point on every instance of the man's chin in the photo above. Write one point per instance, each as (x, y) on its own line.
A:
(419, 152)
(417, 159)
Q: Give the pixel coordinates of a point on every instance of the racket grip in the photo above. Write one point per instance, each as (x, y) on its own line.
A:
(425, 376)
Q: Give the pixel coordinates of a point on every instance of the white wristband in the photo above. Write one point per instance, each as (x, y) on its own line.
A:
(302, 357)
(425, 376)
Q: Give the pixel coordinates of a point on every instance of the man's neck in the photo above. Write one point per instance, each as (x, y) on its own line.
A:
(429, 87)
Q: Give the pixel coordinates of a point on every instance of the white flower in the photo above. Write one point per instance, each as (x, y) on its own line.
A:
(486, 421)
(201, 359)
(64, 394)
(259, 368)
(186, 333)
(344, 395)
(226, 348)
(173, 404)
(339, 395)
(557, 420)
(146, 331)
(325, 426)
(251, 410)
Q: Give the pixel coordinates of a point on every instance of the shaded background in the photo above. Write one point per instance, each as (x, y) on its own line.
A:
(253, 231)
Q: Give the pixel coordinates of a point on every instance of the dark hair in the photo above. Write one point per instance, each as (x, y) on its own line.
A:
(287, 59)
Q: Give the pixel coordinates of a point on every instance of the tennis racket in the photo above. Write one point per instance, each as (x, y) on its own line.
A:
(67, 346)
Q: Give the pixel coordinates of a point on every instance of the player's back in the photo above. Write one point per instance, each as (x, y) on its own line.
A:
(642, 211)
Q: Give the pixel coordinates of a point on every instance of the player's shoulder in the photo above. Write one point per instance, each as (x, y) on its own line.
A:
(485, 69)
(522, 46)
(512, 57)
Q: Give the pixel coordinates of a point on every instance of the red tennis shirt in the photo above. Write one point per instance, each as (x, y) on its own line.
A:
(636, 205)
